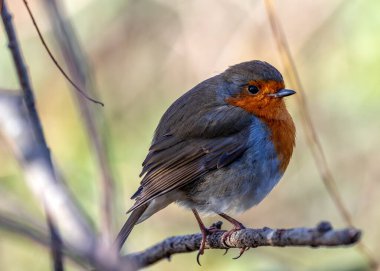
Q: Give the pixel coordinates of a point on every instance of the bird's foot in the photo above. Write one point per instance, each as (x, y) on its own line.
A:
(237, 227)
(227, 234)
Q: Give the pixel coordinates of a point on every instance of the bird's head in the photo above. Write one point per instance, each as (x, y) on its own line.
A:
(257, 87)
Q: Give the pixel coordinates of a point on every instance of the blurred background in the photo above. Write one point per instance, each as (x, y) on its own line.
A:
(145, 54)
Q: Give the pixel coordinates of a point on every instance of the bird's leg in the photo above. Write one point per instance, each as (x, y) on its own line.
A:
(237, 226)
(205, 232)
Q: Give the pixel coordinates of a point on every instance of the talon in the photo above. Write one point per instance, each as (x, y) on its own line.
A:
(225, 251)
(202, 246)
(242, 250)
(198, 258)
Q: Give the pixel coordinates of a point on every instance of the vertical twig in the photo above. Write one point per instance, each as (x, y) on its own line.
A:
(75, 58)
(55, 244)
(311, 134)
(37, 126)
(23, 76)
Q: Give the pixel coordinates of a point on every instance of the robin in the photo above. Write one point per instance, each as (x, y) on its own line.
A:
(219, 148)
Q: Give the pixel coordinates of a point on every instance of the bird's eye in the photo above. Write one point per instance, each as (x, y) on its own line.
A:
(253, 89)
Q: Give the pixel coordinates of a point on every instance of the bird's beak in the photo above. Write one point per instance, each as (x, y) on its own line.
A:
(282, 93)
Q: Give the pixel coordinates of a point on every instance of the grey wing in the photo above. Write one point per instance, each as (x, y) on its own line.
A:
(175, 166)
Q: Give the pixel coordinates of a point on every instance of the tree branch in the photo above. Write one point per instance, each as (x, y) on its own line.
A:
(77, 234)
(321, 236)
(93, 120)
(28, 97)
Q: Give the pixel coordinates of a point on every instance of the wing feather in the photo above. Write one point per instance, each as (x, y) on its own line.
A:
(186, 162)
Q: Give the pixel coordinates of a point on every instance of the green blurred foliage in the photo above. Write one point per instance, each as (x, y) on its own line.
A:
(145, 54)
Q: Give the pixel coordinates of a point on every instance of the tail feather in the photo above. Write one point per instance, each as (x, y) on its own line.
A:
(129, 224)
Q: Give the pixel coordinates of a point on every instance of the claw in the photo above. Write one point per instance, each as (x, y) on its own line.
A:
(242, 250)
(225, 251)
(237, 226)
(198, 258)
(202, 246)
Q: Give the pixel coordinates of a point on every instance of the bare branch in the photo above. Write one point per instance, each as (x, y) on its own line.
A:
(321, 236)
(56, 245)
(75, 58)
(55, 61)
(17, 129)
(77, 234)
(33, 115)
(23, 77)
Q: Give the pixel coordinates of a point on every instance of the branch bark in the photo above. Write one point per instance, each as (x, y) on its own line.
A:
(322, 235)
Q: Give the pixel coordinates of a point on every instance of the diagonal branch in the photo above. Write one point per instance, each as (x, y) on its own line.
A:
(321, 236)
(77, 234)
(23, 77)
(78, 67)
(80, 91)
(28, 97)
(16, 128)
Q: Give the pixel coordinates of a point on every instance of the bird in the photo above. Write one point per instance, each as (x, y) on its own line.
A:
(218, 149)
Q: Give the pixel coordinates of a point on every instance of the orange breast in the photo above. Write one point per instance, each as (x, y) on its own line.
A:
(283, 138)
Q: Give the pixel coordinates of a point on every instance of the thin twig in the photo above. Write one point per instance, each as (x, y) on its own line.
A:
(37, 234)
(16, 127)
(311, 134)
(76, 62)
(55, 61)
(76, 232)
(23, 76)
(33, 231)
(321, 236)
(37, 126)
(56, 245)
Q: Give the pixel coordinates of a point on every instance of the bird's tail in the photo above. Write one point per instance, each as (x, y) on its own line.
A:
(129, 224)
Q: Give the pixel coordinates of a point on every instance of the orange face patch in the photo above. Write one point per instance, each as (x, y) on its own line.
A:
(260, 104)
(272, 111)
